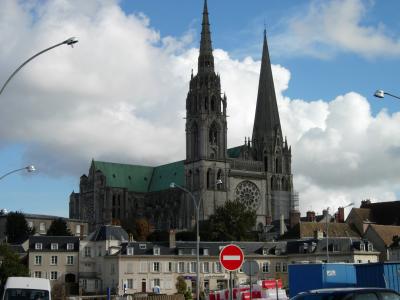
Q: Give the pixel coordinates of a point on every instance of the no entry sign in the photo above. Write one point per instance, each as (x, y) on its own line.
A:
(231, 257)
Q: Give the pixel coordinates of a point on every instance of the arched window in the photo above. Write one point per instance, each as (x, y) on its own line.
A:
(277, 166)
(194, 132)
(283, 184)
(213, 134)
(209, 178)
(197, 179)
(266, 163)
(206, 103)
(220, 180)
(213, 103)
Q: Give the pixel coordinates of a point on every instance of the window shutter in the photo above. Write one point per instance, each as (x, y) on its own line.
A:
(160, 266)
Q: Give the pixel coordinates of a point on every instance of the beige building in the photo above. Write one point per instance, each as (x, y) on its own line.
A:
(55, 258)
(109, 260)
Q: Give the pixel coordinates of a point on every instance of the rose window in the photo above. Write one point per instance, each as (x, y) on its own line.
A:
(248, 194)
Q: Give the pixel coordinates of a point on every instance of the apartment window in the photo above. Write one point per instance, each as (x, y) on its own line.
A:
(84, 283)
(129, 268)
(53, 275)
(54, 246)
(54, 260)
(284, 267)
(96, 284)
(70, 260)
(218, 267)
(78, 229)
(278, 267)
(206, 252)
(129, 250)
(38, 246)
(143, 266)
(193, 251)
(169, 267)
(193, 266)
(206, 267)
(265, 267)
(156, 266)
(88, 252)
(42, 227)
(156, 251)
(130, 284)
(70, 246)
(38, 274)
(156, 282)
(38, 260)
(181, 267)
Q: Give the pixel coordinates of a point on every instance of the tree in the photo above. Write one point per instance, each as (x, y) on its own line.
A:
(17, 229)
(182, 288)
(59, 228)
(232, 222)
(11, 264)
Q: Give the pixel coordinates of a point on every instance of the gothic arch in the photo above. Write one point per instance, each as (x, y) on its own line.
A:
(194, 136)
(213, 133)
(196, 179)
(220, 176)
(210, 178)
(213, 103)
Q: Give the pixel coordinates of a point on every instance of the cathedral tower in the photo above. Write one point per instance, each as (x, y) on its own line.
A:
(268, 143)
(206, 128)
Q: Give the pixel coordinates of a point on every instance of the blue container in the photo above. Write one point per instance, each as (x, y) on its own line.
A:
(379, 275)
(305, 277)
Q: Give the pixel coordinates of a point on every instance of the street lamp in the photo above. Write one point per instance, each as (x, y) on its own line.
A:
(381, 94)
(197, 206)
(70, 42)
(29, 169)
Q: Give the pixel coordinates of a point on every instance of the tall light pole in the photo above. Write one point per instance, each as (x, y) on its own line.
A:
(30, 168)
(70, 42)
(382, 93)
(197, 207)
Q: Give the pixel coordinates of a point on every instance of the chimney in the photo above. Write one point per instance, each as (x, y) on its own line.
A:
(294, 218)
(172, 238)
(340, 215)
(131, 237)
(282, 225)
(310, 216)
(318, 234)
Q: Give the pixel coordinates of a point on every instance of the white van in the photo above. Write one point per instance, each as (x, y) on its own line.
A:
(27, 288)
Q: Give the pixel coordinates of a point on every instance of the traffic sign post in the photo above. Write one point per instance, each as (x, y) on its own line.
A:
(231, 258)
(250, 268)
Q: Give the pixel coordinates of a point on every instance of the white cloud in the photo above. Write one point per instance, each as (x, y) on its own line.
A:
(328, 27)
(119, 95)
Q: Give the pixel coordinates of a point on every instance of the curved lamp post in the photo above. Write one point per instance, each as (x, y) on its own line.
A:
(30, 168)
(71, 41)
(197, 207)
(381, 94)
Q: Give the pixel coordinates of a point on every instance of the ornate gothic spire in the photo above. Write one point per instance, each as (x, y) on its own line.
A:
(206, 59)
(266, 120)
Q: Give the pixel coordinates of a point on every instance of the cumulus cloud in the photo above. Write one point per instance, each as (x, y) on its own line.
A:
(119, 96)
(328, 27)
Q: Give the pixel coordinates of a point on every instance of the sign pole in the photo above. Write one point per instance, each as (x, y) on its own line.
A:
(230, 286)
(276, 289)
(251, 294)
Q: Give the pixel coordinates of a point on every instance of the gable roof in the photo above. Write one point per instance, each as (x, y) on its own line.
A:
(141, 179)
(386, 232)
(385, 213)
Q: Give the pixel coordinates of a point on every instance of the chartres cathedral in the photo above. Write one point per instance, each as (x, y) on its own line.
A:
(257, 173)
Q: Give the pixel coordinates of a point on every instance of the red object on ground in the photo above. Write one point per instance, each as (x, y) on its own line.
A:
(271, 283)
(231, 257)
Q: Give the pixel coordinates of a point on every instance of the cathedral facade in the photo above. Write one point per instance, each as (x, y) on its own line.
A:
(257, 173)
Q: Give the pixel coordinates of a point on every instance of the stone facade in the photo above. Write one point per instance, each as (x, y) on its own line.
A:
(258, 173)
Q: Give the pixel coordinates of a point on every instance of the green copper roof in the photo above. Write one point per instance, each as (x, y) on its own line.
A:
(234, 152)
(141, 179)
(164, 175)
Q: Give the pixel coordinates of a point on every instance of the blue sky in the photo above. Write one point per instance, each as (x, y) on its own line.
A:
(119, 94)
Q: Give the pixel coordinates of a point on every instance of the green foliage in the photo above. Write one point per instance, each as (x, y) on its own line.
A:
(181, 285)
(186, 236)
(11, 265)
(231, 222)
(17, 229)
(58, 228)
(158, 236)
(188, 295)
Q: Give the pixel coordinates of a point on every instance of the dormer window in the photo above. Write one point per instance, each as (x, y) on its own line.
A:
(265, 251)
(54, 246)
(370, 247)
(277, 251)
(38, 246)
(129, 251)
(193, 251)
(156, 251)
(362, 247)
(180, 251)
(205, 251)
(70, 246)
(142, 246)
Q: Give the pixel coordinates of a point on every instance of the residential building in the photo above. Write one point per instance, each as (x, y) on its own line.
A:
(55, 258)
(382, 236)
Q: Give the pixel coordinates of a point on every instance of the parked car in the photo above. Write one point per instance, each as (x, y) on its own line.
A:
(348, 294)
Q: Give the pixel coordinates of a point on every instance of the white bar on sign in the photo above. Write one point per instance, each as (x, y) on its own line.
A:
(231, 257)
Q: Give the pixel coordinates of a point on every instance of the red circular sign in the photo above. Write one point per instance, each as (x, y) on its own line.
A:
(231, 257)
